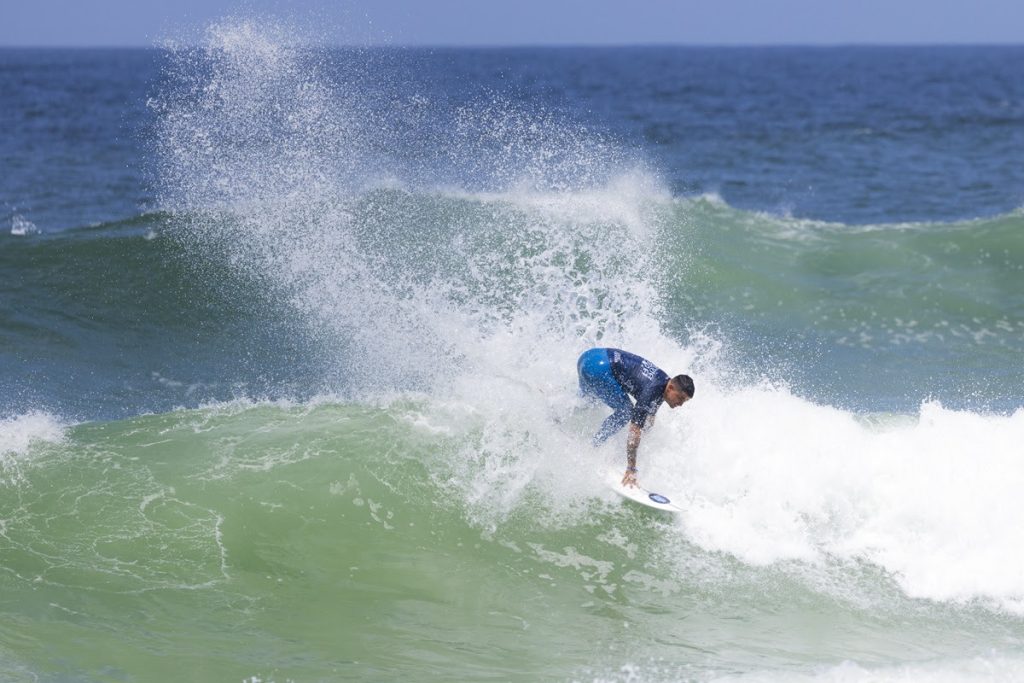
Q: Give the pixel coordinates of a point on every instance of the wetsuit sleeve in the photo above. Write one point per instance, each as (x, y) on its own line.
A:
(647, 404)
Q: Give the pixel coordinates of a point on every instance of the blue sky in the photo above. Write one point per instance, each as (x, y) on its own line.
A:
(530, 22)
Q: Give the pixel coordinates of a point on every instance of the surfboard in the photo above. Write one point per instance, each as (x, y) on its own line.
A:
(639, 494)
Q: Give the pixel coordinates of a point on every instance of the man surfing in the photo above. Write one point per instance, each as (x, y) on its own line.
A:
(613, 375)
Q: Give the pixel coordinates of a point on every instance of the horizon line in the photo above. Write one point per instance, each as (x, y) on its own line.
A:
(544, 45)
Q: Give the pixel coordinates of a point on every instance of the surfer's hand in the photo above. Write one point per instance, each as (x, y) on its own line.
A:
(629, 479)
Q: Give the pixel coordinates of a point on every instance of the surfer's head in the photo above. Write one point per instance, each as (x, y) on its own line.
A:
(678, 391)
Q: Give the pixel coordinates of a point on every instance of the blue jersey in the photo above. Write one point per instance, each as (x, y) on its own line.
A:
(642, 380)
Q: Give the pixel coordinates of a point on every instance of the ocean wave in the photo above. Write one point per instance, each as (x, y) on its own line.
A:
(790, 507)
(871, 285)
(317, 413)
(865, 494)
(410, 277)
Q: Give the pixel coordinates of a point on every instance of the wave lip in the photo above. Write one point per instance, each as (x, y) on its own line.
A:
(18, 435)
(21, 226)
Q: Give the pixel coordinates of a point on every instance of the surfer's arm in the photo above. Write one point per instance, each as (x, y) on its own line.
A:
(632, 443)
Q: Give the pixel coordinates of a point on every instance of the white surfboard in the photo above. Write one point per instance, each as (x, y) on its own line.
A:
(639, 494)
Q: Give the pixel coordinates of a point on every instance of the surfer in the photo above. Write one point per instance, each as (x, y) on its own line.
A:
(613, 375)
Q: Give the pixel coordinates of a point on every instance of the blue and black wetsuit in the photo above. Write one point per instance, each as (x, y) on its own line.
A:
(613, 375)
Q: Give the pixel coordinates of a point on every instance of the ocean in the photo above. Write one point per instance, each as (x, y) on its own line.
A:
(287, 362)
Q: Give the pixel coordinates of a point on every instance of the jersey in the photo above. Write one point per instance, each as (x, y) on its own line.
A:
(642, 379)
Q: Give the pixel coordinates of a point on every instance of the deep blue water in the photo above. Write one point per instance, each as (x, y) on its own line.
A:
(855, 135)
(75, 135)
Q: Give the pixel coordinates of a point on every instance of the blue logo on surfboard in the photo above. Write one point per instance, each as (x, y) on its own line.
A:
(658, 498)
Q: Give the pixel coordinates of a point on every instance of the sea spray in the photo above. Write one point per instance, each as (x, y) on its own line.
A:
(259, 155)
(478, 299)
(480, 296)
(773, 478)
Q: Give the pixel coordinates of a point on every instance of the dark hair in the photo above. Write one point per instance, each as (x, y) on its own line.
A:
(684, 383)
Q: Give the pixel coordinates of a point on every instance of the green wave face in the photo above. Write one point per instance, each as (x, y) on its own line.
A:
(337, 541)
(895, 283)
(874, 316)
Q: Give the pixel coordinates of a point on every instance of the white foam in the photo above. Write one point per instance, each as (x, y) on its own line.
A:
(988, 669)
(21, 226)
(934, 500)
(19, 433)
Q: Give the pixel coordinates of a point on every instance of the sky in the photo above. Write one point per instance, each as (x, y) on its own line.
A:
(118, 23)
